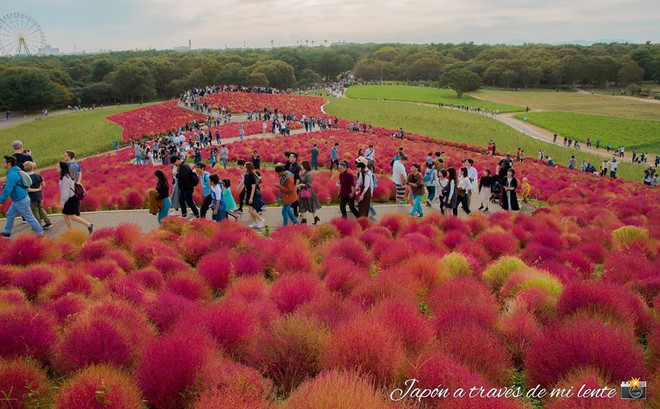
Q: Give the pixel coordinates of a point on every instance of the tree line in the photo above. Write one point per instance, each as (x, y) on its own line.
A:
(34, 83)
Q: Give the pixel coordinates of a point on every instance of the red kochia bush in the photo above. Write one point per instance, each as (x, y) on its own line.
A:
(26, 331)
(22, 384)
(216, 269)
(247, 264)
(291, 291)
(351, 249)
(26, 250)
(404, 319)
(343, 275)
(99, 387)
(518, 331)
(605, 301)
(367, 346)
(463, 301)
(564, 347)
(167, 308)
(498, 244)
(189, 285)
(32, 280)
(214, 399)
(231, 324)
(171, 365)
(169, 266)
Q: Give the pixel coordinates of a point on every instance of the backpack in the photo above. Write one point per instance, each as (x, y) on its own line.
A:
(445, 190)
(80, 191)
(26, 180)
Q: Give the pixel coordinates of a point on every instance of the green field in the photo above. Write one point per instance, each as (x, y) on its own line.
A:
(424, 95)
(567, 101)
(459, 127)
(633, 134)
(86, 133)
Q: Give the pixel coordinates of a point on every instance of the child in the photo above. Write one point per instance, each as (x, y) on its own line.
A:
(217, 203)
(230, 204)
(36, 195)
(526, 190)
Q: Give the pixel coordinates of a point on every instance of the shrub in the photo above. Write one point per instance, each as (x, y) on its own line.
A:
(463, 301)
(101, 269)
(337, 389)
(99, 387)
(456, 264)
(414, 331)
(367, 346)
(329, 309)
(455, 239)
(28, 249)
(168, 266)
(291, 352)
(498, 244)
(351, 249)
(653, 351)
(346, 227)
(532, 278)
(216, 269)
(66, 283)
(214, 399)
(247, 264)
(170, 367)
(149, 278)
(124, 260)
(626, 266)
(625, 236)
(231, 324)
(498, 272)
(579, 343)
(167, 307)
(342, 275)
(26, 331)
(291, 291)
(148, 249)
(605, 301)
(247, 289)
(490, 359)
(22, 385)
(591, 378)
(32, 279)
(430, 272)
(394, 223)
(518, 331)
(94, 250)
(64, 307)
(221, 375)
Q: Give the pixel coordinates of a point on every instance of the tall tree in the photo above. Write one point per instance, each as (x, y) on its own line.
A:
(460, 80)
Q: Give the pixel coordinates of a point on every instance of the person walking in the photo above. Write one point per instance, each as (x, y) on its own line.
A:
(399, 176)
(205, 181)
(185, 183)
(346, 190)
(74, 168)
(16, 188)
(256, 160)
(485, 183)
(22, 155)
(69, 199)
(253, 198)
(288, 195)
(138, 154)
(443, 194)
(163, 193)
(224, 155)
(314, 152)
(510, 184)
(464, 187)
(334, 156)
(416, 183)
(218, 207)
(307, 200)
(365, 187)
(228, 199)
(35, 191)
(430, 181)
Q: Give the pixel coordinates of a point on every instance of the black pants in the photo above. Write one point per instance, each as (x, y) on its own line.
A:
(463, 201)
(351, 205)
(205, 206)
(334, 162)
(241, 200)
(186, 198)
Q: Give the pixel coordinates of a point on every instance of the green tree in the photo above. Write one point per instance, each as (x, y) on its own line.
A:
(30, 89)
(329, 64)
(425, 68)
(101, 69)
(97, 93)
(279, 74)
(630, 73)
(308, 77)
(257, 79)
(133, 81)
(231, 73)
(460, 80)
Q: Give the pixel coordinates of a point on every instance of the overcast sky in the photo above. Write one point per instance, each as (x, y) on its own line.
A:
(128, 24)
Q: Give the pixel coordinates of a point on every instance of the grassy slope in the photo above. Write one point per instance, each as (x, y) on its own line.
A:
(425, 95)
(86, 133)
(619, 107)
(641, 136)
(458, 127)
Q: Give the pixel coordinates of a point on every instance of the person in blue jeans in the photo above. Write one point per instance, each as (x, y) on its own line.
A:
(16, 189)
(416, 183)
(205, 181)
(218, 206)
(288, 194)
(163, 189)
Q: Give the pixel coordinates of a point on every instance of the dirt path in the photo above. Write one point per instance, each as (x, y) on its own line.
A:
(627, 98)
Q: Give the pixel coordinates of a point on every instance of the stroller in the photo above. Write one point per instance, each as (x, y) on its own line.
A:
(495, 192)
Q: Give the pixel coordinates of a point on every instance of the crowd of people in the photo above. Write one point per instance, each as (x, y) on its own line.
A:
(24, 186)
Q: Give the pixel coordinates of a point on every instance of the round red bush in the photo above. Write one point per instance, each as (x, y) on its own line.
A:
(99, 387)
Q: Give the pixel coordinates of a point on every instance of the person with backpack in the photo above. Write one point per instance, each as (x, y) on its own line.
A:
(205, 179)
(186, 180)
(21, 155)
(74, 168)
(219, 209)
(70, 200)
(16, 187)
(36, 195)
(416, 183)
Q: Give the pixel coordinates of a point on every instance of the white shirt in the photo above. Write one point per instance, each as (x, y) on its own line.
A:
(370, 154)
(473, 175)
(613, 165)
(398, 170)
(368, 182)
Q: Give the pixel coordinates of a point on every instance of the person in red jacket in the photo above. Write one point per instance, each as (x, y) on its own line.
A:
(346, 190)
(288, 194)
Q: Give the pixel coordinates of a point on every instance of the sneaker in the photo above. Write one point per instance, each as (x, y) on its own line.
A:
(252, 225)
(239, 211)
(6, 236)
(47, 225)
(90, 229)
(261, 224)
(428, 204)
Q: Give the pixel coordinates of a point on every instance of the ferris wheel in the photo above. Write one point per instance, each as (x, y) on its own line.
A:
(20, 34)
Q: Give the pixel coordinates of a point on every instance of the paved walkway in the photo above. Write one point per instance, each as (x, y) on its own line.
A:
(273, 216)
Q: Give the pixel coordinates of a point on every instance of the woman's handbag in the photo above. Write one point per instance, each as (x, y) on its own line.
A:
(305, 193)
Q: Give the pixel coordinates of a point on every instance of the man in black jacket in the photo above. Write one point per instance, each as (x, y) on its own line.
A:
(184, 181)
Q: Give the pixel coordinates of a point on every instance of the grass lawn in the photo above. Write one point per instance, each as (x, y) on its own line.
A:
(86, 133)
(567, 101)
(425, 95)
(459, 127)
(633, 134)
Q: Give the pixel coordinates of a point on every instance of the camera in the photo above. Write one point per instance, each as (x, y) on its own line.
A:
(634, 392)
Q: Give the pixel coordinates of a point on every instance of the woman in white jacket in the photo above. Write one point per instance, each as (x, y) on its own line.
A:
(69, 200)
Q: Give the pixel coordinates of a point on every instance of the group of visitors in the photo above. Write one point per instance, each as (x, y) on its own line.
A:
(25, 188)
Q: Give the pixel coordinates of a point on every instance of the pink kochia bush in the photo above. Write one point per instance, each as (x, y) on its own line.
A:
(564, 347)
(99, 387)
(22, 384)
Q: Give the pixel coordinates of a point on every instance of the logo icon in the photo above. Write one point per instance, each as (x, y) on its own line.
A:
(633, 389)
